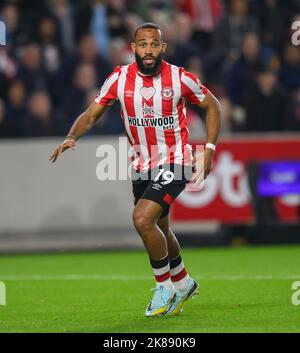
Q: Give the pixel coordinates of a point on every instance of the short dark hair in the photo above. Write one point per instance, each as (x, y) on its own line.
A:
(147, 25)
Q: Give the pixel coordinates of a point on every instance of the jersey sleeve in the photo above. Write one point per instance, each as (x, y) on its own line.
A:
(109, 91)
(191, 88)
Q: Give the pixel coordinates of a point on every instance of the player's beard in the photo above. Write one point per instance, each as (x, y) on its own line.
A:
(148, 70)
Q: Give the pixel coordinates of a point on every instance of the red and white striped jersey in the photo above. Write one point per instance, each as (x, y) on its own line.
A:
(153, 109)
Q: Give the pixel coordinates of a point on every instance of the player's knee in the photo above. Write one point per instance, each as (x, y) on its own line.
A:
(142, 222)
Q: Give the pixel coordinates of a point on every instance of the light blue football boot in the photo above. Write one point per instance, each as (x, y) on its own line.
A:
(161, 301)
(182, 295)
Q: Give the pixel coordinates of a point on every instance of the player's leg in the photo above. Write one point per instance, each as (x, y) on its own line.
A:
(161, 190)
(179, 274)
(145, 217)
(185, 286)
(172, 242)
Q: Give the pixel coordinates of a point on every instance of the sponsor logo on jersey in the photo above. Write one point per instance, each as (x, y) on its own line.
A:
(129, 93)
(166, 122)
(147, 111)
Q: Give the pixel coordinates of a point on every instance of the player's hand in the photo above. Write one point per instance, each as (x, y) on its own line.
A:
(69, 142)
(202, 165)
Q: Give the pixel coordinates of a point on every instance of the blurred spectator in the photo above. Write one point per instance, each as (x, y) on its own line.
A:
(62, 10)
(16, 102)
(132, 22)
(233, 116)
(267, 106)
(196, 124)
(204, 16)
(180, 48)
(140, 8)
(194, 65)
(31, 70)
(110, 122)
(99, 26)
(85, 79)
(288, 9)
(48, 33)
(40, 120)
(116, 15)
(90, 95)
(10, 16)
(227, 114)
(242, 74)
(50, 44)
(86, 53)
(230, 32)
(185, 49)
(8, 70)
(120, 53)
(290, 70)
(271, 23)
(157, 8)
(7, 129)
(64, 49)
(294, 117)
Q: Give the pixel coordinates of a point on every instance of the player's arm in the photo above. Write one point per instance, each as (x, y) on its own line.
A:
(213, 126)
(81, 126)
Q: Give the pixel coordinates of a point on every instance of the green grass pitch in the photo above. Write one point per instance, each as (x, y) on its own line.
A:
(242, 289)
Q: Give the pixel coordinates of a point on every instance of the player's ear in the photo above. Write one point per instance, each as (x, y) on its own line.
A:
(133, 47)
(164, 47)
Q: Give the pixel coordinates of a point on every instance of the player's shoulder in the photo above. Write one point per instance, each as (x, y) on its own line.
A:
(117, 69)
(180, 70)
(121, 68)
(170, 66)
(186, 73)
(175, 69)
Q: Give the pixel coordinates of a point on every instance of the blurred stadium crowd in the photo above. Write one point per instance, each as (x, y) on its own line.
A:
(59, 52)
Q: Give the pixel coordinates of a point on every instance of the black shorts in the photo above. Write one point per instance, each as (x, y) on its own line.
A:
(161, 185)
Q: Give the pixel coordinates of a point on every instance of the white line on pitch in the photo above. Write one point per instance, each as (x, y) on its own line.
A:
(74, 277)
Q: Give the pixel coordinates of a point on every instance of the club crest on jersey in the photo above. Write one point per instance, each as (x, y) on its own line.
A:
(167, 93)
(147, 92)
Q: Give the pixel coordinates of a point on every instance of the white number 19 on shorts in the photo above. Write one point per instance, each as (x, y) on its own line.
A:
(167, 175)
